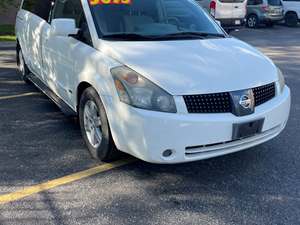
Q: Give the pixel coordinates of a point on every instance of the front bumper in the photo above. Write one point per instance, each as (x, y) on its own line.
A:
(146, 134)
(272, 18)
(234, 23)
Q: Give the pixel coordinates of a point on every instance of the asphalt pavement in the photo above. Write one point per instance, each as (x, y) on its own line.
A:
(38, 143)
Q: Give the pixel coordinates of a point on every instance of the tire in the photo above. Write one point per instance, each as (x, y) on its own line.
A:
(291, 19)
(22, 67)
(270, 24)
(252, 21)
(95, 127)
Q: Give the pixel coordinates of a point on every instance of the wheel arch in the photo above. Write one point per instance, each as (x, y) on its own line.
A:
(83, 85)
(291, 12)
(288, 15)
(80, 89)
(252, 14)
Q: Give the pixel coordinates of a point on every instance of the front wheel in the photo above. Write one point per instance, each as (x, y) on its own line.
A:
(270, 24)
(291, 19)
(95, 128)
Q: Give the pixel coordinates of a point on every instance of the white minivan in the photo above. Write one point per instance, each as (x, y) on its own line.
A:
(230, 13)
(158, 79)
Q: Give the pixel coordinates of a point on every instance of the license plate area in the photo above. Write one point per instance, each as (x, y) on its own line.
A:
(248, 129)
(237, 22)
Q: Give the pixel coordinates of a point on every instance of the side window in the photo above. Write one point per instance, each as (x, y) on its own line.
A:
(250, 2)
(68, 9)
(259, 2)
(72, 9)
(40, 8)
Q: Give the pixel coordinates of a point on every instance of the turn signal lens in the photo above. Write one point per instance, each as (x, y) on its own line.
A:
(131, 78)
(281, 80)
(122, 92)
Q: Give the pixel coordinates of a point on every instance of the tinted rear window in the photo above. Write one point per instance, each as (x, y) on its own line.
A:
(232, 1)
(274, 2)
(40, 8)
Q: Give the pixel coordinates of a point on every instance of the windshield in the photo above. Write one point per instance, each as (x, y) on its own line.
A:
(153, 18)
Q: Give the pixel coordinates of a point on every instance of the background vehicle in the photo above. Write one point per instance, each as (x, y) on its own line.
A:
(291, 12)
(266, 12)
(231, 13)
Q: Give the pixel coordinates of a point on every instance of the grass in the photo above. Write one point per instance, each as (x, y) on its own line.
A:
(7, 32)
(7, 38)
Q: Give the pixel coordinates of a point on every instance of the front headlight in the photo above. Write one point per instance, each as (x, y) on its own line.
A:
(137, 91)
(281, 80)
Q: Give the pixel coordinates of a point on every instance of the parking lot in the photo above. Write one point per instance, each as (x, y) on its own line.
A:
(39, 144)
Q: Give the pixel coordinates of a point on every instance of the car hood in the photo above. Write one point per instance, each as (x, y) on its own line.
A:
(195, 66)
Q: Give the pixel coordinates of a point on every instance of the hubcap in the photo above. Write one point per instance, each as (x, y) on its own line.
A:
(92, 123)
(251, 22)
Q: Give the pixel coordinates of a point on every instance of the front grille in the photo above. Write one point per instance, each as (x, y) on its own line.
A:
(264, 93)
(208, 103)
(221, 102)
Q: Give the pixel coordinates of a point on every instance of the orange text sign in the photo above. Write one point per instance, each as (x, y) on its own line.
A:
(107, 2)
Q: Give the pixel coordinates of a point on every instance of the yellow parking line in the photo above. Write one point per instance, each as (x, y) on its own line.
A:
(6, 198)
(20, 95)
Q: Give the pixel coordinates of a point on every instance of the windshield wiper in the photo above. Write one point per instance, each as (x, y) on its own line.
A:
(179, 35)
(192, 35)
(127, 36)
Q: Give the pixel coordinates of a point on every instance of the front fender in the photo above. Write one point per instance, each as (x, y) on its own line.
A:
(93, 67)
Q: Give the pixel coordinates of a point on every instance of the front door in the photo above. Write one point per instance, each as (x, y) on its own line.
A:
(59, 55)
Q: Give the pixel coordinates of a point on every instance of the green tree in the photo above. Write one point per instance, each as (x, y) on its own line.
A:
(4, 4)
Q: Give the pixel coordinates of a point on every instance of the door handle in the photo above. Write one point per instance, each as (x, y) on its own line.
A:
(236, 7)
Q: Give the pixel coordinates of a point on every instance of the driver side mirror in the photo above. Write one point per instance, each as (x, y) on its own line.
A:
(63, 27)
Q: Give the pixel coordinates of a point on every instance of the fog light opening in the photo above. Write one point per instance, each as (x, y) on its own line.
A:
(167, 153)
